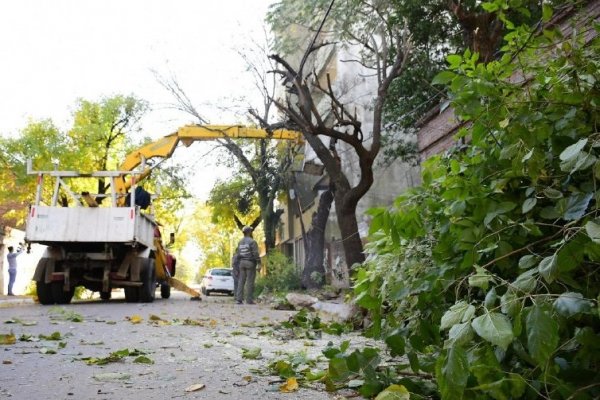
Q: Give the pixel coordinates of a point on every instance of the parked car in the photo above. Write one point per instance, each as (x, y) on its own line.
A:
(217, 280)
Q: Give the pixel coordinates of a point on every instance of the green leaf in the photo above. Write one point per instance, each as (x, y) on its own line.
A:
(526, 282)
(569, 304)
(443, 78)
(495, 328)
(527, 261)
(528, 205)
(338, 369)
(593, 231)
(253, 353)
(548, 268)
(456, 314)
(542, 334)
(509, 303)
(454, 60)
(573, 150)
(452, 373)
(394, 392)
(459, 334)
(546, 12)
(552, 193)
(143, 360)
(490, 298)
(396, 344)
(526, 156)
(480, 279)
(549, 213)
(576, 206)
(368, 301)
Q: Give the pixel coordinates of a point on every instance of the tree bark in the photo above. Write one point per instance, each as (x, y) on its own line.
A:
(347, 222)
(313, 274)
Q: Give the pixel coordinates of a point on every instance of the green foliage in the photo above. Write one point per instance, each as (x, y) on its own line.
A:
(486, 276)
(282, 275)
(103, 129)
(310, 326)
(233, 197)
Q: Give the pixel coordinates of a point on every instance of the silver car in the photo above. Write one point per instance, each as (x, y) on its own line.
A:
(218, 280)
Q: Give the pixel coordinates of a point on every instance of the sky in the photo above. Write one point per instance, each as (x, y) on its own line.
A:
(54, 52)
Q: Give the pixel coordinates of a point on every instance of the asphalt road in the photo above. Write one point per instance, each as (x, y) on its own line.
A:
(164, 348)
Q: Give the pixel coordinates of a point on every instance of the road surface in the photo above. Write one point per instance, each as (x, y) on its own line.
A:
(164, 348)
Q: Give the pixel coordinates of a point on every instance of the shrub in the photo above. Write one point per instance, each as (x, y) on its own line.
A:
(282, 275)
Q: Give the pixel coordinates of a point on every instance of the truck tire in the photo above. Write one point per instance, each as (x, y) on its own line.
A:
(148, 276)
(105, 295)
(165, 290)
(59, 295)
(132, 294)
(44, 293)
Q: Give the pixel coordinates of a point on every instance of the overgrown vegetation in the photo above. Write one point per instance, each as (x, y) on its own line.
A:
(486, 277)
(281, 276)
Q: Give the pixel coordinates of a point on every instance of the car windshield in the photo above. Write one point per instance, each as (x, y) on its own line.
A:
(221, 272)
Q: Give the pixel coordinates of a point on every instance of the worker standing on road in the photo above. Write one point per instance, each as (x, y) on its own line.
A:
(12, 266)
(249, 259)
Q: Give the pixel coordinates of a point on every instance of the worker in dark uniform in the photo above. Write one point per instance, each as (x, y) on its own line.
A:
(249, 259)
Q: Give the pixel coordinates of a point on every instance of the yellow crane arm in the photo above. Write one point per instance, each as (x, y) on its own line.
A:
(164, 147)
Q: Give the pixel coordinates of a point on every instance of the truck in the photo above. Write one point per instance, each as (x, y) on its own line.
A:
(103, 241)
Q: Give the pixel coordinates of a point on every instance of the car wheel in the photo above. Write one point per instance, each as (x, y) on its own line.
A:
(165, 291)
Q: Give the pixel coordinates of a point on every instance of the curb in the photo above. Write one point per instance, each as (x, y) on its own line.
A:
(9, 301)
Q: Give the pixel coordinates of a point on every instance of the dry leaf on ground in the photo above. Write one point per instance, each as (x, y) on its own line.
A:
(195, 387)
(291, 385)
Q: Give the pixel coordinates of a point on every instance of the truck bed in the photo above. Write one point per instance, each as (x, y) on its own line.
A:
(49, 225)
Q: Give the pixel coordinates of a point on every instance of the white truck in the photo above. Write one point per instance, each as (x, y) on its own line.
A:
(98, 246)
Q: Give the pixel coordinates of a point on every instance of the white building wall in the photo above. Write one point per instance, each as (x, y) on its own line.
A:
(26, 263)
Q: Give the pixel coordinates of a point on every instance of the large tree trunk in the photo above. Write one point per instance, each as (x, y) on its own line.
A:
(351, 241)
(314, 270)
(270, 221)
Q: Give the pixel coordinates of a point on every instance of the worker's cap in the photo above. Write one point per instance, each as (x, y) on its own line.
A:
(247, 229)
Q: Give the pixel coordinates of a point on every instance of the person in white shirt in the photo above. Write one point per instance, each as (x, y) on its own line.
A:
(12, 267)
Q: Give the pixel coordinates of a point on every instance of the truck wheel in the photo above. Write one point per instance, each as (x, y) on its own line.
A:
(105, 295)
(59, 295)
(44, 293)
(165, 291)
(148, 276)
(132, 294)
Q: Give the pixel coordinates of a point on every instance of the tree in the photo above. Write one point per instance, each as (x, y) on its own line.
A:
(42, 143)
(103, 130)
(319, 110)
(486, 276)
(313, 274)
(264, 162)
(234, 203)
(215, 240)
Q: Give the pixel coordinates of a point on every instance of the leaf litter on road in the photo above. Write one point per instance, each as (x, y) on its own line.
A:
(7, 338)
